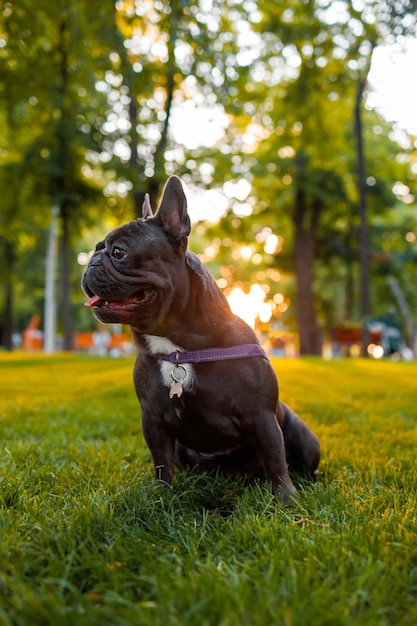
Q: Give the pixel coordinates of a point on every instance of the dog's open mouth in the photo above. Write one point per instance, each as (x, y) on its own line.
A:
(144, 296)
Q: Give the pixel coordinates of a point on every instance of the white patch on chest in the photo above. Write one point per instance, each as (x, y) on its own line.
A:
(162, 345)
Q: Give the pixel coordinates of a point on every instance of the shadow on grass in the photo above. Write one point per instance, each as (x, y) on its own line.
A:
(197, 494)
(193, 493)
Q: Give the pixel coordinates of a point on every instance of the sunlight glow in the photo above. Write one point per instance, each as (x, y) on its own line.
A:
(393, 92)
(375, 350)
(209, 206)
(239, 190)
(84, 257)
(272, 244)
(195, 126)
(250, 306)
(246, 252)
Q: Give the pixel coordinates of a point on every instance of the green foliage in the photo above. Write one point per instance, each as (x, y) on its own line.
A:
(86, 537)
(89, 92)
(297, 99)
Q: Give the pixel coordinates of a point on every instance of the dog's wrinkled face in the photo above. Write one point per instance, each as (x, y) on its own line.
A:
(127, 279)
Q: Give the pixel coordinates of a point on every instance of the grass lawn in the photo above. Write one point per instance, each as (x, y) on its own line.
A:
(87, 538)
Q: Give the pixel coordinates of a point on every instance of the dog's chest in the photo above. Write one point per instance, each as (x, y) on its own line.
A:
(163, 345)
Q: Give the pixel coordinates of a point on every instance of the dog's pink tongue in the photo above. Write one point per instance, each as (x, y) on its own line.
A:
(93, 301)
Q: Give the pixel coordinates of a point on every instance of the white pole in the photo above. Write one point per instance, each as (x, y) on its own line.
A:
(49, 329)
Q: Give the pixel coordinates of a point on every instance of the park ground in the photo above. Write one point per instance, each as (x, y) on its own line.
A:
(87, 538)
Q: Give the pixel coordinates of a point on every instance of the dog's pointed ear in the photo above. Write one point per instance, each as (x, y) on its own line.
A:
(146, 207)
(172, 212)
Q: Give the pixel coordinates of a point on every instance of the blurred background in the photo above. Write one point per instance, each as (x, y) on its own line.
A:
(292, 125)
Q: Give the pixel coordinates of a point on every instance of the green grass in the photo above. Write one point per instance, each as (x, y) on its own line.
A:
(87, 538)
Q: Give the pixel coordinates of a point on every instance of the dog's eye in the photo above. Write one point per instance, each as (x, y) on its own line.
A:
(118, 253)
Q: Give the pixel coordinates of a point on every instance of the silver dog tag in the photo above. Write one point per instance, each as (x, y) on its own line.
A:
(178, 375)
(176, 389)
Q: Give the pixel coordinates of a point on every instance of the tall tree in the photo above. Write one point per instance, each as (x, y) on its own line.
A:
(18, 139)
(166, 55)
(100, 111)
(316, 56)
(310, 113)
(382, 22)
(56, 73)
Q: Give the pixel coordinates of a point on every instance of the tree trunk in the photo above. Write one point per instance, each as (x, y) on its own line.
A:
(305, 226)
(133, 160)
(66, 281)
(350, 282)
(152, 185)
(7, 331)
(365, 300)
(60, 191)
(365, 292)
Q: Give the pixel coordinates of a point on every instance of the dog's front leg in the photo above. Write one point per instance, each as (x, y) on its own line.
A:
(269, 442)
(162, 446)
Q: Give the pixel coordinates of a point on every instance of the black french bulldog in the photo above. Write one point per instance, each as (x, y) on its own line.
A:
(208, 392)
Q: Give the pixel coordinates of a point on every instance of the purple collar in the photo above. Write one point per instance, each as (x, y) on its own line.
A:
(207, 355)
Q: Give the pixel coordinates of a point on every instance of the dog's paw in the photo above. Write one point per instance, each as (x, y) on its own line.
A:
(287, 493)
